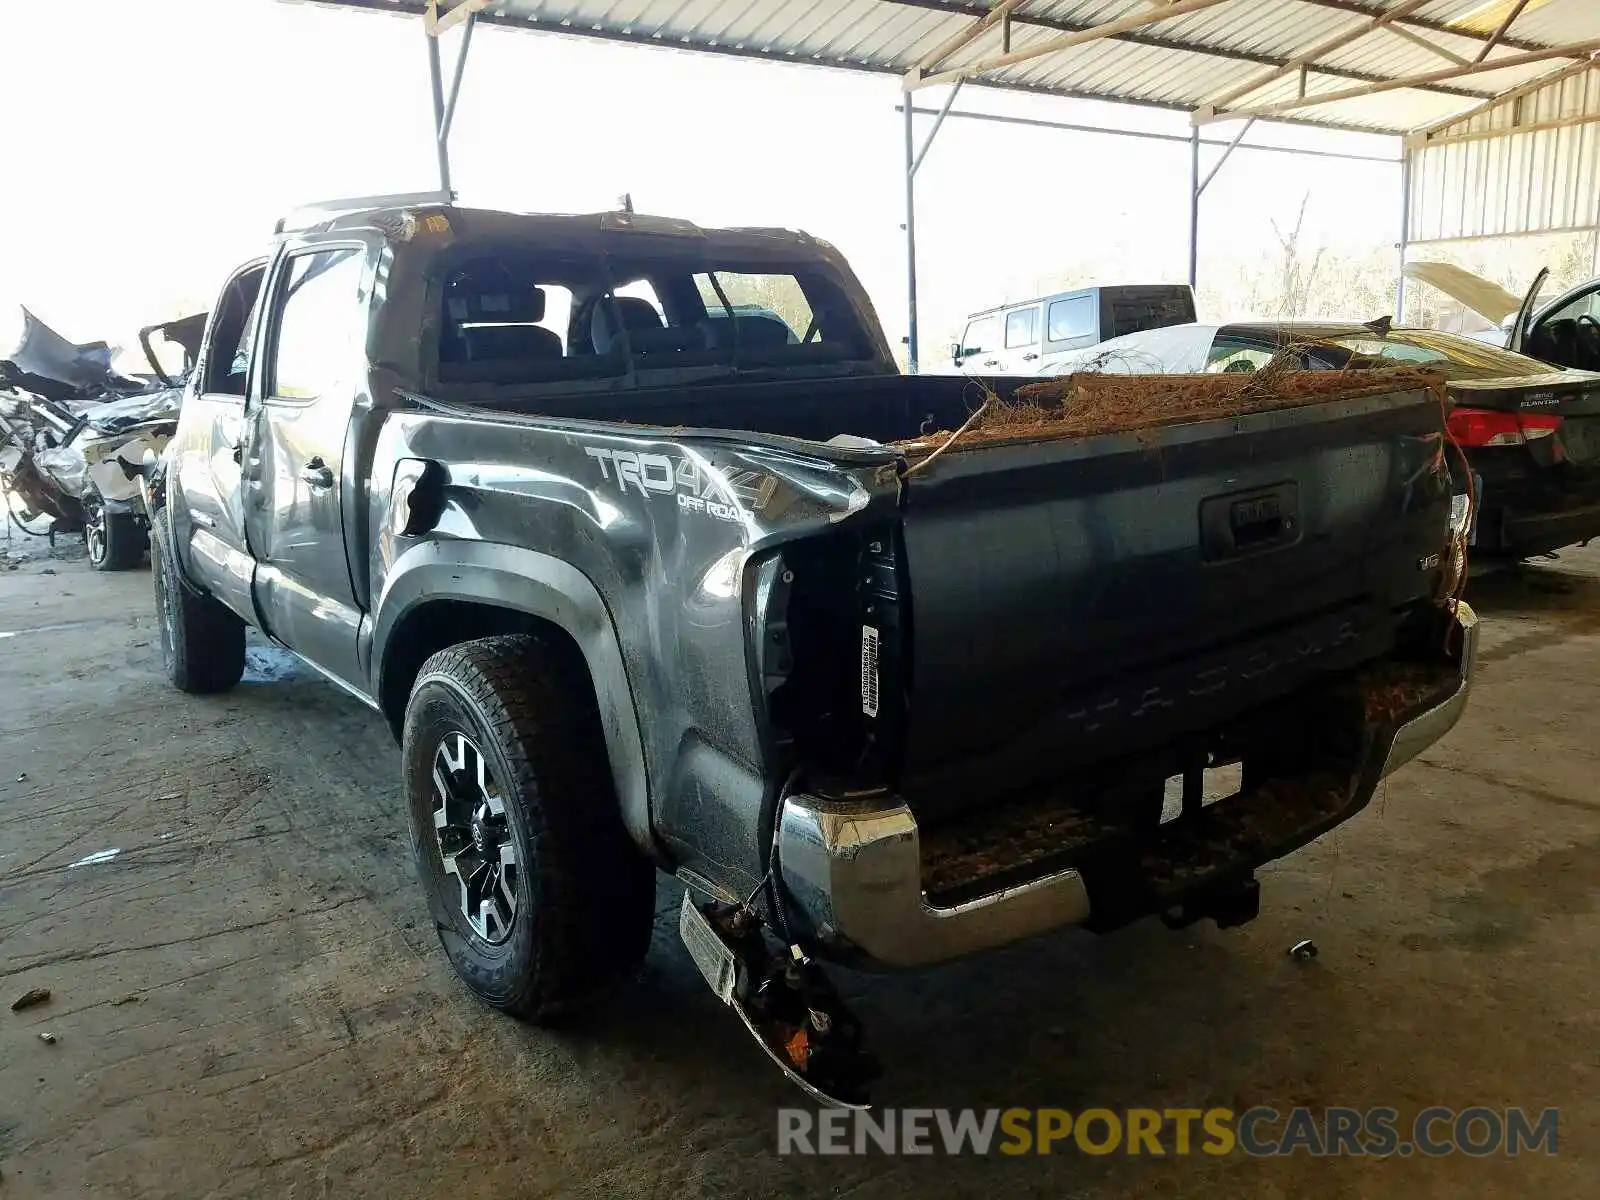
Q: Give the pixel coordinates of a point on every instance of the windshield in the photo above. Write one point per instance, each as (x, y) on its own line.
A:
(1454, 357)
(522, 317)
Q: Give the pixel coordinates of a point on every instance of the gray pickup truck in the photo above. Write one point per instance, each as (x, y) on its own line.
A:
(605, 516)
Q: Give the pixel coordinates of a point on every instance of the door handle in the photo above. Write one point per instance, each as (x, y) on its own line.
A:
(991, 362)
(1029, 357)
(317, 474)
(238, 453)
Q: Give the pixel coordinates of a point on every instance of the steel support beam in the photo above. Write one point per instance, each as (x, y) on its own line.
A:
(1432, 26)
(1576, 49)
(1138, 20)
(1227, 152)
(1420, 136)
(1154, 41)
(938, 121)
(1405, 239)
(911, 241)
(1307, 60)
(1146, 135)
(463, 11)
(1494, 38)
(436, 79)
(455, 81)
(1000, 14)
(1404, 32)
(1507, 131)
(1194, 205)
(1198, 186)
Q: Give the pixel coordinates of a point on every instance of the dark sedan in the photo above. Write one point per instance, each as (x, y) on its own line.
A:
(1530, 432)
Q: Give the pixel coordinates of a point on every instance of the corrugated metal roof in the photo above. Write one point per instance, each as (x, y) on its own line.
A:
(1186, 61)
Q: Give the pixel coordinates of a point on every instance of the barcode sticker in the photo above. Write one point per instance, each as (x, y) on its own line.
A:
(869, 670)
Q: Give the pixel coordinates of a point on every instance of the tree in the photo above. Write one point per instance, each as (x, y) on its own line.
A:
(1297, 276)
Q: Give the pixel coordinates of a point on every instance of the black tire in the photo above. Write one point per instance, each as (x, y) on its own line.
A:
(115, 540)
(202, 640)
(583, 894)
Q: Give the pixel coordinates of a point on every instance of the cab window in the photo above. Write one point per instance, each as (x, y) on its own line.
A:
(227, 367)
(982, 337)
(321, 324)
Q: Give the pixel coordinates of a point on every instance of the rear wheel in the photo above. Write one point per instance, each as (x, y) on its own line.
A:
(115, 540)
(202, 640)
(539, 897)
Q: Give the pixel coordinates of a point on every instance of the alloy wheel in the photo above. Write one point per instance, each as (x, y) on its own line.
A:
(475, 842)
(94, 530)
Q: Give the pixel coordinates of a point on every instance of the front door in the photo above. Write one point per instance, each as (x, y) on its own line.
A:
(299, 497)
(205, 454)
(980, 346)
(1567, 331)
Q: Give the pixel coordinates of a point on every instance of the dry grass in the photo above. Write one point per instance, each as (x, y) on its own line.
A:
(1090, 403)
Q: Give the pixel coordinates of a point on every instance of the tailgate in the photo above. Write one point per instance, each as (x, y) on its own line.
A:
(1075, 599)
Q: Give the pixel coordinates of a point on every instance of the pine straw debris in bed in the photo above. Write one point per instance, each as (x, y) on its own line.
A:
(1089, 402)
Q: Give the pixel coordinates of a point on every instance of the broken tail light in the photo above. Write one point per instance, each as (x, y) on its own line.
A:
(1477, 427)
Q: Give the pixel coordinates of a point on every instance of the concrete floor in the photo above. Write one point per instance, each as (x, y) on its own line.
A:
(248, 1000)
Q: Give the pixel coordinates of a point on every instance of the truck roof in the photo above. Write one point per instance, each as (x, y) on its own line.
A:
(1078, 291)
(572, 230)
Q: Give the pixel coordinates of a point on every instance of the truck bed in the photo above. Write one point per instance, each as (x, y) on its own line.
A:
(1063, 602)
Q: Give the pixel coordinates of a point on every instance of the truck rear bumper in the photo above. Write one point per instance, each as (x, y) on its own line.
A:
(854, 868)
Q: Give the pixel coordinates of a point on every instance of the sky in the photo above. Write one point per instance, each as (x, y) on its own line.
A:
(149, 148)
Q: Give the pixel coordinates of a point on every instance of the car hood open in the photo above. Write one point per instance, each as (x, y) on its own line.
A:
(1482, 296)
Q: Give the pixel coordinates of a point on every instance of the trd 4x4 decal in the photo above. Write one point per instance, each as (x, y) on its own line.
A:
(724, 495)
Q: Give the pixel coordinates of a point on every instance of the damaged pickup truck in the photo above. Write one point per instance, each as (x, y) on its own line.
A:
(651, 559)
(73, 433)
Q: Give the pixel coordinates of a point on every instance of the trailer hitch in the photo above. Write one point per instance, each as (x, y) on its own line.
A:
(1231, 902)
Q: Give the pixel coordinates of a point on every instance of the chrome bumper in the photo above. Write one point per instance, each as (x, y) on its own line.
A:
(853, 868)
(857, 874)
(1423, 730)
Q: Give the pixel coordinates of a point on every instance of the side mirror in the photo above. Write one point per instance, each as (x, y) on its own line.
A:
(955, 353)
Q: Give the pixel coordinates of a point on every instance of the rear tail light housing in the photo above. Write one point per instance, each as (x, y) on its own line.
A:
(1476, 427)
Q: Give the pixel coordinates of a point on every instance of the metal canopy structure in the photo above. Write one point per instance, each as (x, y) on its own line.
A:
(1448, 73)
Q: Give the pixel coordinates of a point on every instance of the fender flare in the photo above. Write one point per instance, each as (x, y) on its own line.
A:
(552, 590)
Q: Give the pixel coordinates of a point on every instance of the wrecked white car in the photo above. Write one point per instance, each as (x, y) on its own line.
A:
(73, 432)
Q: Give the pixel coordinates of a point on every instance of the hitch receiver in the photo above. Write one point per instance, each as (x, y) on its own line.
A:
(1233, 902)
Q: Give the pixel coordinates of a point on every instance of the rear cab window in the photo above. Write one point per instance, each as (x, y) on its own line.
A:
(515, 316)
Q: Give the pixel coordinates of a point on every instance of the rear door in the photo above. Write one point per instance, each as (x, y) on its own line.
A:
(1024, 330)
(299, 482)
(205, 454)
